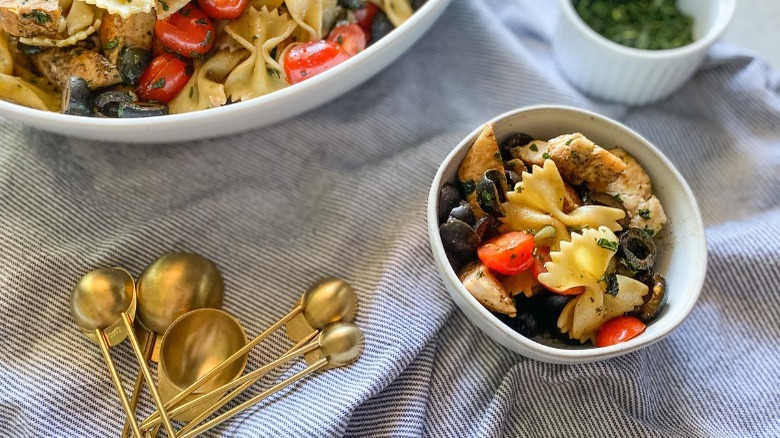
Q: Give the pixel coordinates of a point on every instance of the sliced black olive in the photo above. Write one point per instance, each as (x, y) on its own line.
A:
(513, 141)
(463, 212)
(107, 102)
(28, 49)
(459, 240)
(129, 110)
(655, 299)
(601, 198)
(75, 97)
(380, 27)
(512, 178)
(499, 179)
(449, 198)
(487, 227)
(132, 64)
(637, 250)
(488, 197)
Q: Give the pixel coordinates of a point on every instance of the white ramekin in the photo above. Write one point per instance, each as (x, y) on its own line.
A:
(610, 71)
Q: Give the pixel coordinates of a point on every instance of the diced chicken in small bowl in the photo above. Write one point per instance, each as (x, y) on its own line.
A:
(566, 236)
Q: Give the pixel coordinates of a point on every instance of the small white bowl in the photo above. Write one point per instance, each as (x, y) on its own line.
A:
(682, 251)
(610, 71)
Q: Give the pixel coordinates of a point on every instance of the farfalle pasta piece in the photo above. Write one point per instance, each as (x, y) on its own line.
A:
(580, 262)
(124, 8)
(259, 32)
(308, 15)
(541, 193)
(15, 88)
(79, 21)
(206, 88)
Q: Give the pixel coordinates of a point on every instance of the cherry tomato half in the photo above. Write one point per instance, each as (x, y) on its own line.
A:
(365, 17)
(309, 59)
(189, 32)
(509, 253)
(163, 79)
(350, 37)
(619, 330)
(223, 9)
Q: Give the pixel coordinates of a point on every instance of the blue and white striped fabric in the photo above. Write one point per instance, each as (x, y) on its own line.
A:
(342, 192)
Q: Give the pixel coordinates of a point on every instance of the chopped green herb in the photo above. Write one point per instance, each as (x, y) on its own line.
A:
(533, 147)
(497, 156)
(641, 24)
(206, 40)
(38, 16)
(607, 244)
(545, 155)
(272, 71)
(192, 90)
(610, 280)
(574, 228)
(467, 187)
(164, 5)
(644, 213)
(159, 83)
(111, 44)
(568, 142)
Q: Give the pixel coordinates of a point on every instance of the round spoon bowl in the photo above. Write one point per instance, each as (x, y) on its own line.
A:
(193, 345)
(327, 301)
(342, 343)
(98, 301)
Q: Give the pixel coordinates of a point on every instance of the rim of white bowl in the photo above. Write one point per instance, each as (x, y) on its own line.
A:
(726, 10)
(372, 51)
(548, 353)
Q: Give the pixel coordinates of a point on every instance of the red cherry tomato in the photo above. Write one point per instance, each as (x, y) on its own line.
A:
(509, 253)
(163, 79)
(350, 37)
(189, 32)
(309, 59)
(365, 17)
(223, 9)
(619, 330)
(542, 257)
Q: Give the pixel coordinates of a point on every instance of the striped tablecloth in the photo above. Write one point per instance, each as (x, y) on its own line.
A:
(341, 191)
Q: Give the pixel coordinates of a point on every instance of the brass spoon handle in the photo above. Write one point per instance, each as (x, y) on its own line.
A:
(147, 375)
(249, 378)
(244, 350)
(243, 406)
(148, 345)
(103, 342)
(255, 376)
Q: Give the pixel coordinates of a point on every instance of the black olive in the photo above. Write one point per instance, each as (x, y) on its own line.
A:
(487, 227)
(655, 299)
(512, 178)
(351, 4)
(459, 240)
(107, 102)
(513, 141)
(132, 64)
(28, 49)
(76, 97)
(488, 197)
(601, 198)
(449, 198)
(380, 27)
(499, 179)
(131, 110)
(548, 307)
(637, 249)
(463, 212)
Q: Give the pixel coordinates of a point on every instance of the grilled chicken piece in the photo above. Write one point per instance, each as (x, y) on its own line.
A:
(634, 189)
(532, 153)
(484, 286)
(116, 33)
(580, 160)
(58, 65)
(30, 18)
(482, 156)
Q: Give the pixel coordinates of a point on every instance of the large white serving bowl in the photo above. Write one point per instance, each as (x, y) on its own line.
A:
(682, 250)
(240, 116)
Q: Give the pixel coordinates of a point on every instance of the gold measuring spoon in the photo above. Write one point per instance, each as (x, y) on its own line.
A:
(103, 304)
(339, 344)
(169, 287)
(327, 301)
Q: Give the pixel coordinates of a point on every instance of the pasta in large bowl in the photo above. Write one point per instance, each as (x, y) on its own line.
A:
(175, 70)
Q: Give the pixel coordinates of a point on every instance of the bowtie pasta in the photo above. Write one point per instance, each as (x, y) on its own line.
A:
(556, 237)
(122, 58)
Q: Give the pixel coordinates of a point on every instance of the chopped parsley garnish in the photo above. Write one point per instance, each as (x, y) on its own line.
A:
(164, 5)
(533, 147)
(467, 187)
(272, 71)
(111, 44)
(568, 142)
(611, 282)
(159, 83)
(607, 244)
(38, 16)
(545, 155)
(192, 90)
(644, 213)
